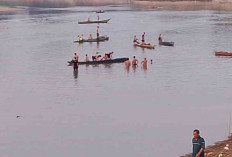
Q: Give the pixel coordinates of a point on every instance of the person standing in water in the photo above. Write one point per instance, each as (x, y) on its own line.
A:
(144, 63)
(198, 144)
(127, 64)
(134, 61)
(97, 31)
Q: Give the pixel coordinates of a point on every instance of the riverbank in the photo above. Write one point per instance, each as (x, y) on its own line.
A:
(5, 9)
(184, 5)
(222, 147)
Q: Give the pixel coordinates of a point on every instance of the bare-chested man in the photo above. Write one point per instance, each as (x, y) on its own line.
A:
(144, 63)
(134, 61)
(75, 57)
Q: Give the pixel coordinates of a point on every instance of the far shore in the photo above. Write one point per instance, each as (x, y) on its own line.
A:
(184, 5)
(222, 147)
(5, 9)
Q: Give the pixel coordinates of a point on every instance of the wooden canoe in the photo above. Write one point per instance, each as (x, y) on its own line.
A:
(148, 46)
(223, 53)
(163, 43)
(100, 39)
(110, 61)
(91, 22)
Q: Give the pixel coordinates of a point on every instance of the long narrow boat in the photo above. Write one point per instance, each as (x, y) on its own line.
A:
(91, 22)
(110, 61)
(148, 46)
(100, 39)
(163, 43)
(223, 53)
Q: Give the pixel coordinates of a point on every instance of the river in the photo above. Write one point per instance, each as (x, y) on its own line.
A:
(105, 110)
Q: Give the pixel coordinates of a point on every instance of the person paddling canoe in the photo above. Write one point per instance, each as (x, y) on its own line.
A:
(97, 32)
(143, 38)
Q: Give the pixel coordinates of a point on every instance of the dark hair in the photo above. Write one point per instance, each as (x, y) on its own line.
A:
(134, 57)
(197, 131)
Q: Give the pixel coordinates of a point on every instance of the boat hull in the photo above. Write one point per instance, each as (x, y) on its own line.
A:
(101, 39)
(222, 53)
(92, 22)
(117, 60)
(145, 46)
(166, 43)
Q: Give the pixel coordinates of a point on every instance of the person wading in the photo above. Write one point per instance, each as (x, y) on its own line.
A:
(134, 61)
(198, 144)
(144, 63)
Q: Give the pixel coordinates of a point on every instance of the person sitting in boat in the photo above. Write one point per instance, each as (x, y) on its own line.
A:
(90, 37)
(75, 57)
(86, 58)
(160, 38)
(79, 38)
(109, 54)
(134, 61)
(96, 57)
(135, 39)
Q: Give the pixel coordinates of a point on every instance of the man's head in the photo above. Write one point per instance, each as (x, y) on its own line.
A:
(145, 58)
(196, 133)
(75, 53)
(143, 32)
(97, 26)
(134, 57)
(86, 55)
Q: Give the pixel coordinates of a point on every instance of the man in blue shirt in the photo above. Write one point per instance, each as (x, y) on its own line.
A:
(198, 144)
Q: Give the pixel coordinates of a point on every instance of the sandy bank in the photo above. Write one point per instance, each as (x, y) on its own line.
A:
(184, 5)
(218, 148)
(4, 9)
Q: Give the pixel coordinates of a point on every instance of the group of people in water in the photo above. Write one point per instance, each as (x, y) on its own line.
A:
(108, 56)
(136, 40)
(134, 63)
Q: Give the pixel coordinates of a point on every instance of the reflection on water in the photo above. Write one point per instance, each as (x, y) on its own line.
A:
(107, 109)
(75, 74)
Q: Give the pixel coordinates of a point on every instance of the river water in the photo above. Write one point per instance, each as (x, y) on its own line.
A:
(105, 110)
